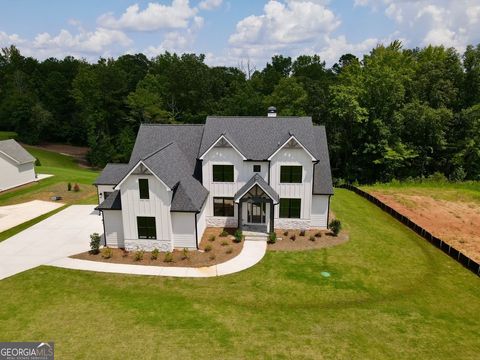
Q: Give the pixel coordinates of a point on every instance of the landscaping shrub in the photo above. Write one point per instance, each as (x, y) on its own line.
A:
(69, 186)
(224, 233)
(168, 257)
(138, 255)
(224, 243)
(208, 248)
(318, 234)
(285, 233)
(95, 243)
(335, 226)
(293, 237)
(107, 253)
(154, 254)
(211, 238)
(37, 162)
(272, 238)
(76, 187)
(229, 250)
(185, 254)
(312, 238)
(302, 232)
(238, 236)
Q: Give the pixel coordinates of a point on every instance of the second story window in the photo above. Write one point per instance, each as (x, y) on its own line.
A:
(143, 189)
(223, 173)
(290, 174)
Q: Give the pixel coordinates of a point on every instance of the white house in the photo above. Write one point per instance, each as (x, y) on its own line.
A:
(17, 166)
(255, 173)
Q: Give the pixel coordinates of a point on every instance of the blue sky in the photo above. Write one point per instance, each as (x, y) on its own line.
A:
(233, 31)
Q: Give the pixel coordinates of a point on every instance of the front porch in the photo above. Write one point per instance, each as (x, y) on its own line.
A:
(256, 206)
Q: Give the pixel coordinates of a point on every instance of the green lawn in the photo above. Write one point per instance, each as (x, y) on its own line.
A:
(5, 135)
(391, 296)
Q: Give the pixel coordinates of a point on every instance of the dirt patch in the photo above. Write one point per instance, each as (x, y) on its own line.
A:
(455, 222)
(312, 239)
(77, 152)
(222, 249)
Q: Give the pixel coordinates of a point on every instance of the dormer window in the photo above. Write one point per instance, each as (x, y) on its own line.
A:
(223, 173)
(257, 168)
(143, 189)
(290, 174)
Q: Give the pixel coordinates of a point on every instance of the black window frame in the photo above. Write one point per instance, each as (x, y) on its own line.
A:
(287, 211)
(144, 193)
(257, 166)
(220, 175)
(289, 174)
(145, 228)
(225, 211)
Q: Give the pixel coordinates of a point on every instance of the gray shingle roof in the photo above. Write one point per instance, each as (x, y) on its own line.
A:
(257, 138)
(257, 179)
(112, 174)
(112, 202)
(322, 175)
(15, 151)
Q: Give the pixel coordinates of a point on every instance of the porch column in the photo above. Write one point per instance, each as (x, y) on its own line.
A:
(272, 212)
(239, 213)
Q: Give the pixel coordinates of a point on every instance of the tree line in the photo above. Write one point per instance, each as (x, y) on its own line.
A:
(394, 114)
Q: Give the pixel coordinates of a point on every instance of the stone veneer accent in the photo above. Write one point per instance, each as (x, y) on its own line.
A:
(291, 224)
(148, 245)
(213, 221)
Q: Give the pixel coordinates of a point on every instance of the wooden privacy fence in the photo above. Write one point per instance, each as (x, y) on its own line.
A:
(439, 243)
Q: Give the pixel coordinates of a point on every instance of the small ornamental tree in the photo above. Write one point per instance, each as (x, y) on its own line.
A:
(76, 188)
(69, 186)
(95, 243)
(335, 226)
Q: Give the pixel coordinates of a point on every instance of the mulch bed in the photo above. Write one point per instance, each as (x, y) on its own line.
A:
(222, 249)
(293, 241)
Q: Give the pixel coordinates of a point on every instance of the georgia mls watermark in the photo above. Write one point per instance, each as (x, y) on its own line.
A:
(26, 350)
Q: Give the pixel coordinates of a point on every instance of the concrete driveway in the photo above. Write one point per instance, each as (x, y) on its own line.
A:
(13, 215)
(63, 234)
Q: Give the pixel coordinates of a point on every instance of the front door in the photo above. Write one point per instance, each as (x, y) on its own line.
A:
(256, 212)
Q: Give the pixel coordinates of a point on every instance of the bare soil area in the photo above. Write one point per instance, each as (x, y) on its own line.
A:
(295, 240)
(455, 222)
(220, 249)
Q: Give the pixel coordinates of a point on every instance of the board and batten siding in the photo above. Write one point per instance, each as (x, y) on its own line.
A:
(243, 171)
(13, 174)
(303, 190)
(320, 205)
(113, 228)
(201, 221)
(183, 229)
(158, 205)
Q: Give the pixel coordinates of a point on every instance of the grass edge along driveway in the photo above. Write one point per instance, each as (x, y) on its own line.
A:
(390, 295)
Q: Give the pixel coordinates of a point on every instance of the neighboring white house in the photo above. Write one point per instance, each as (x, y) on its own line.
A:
(255, 173)
(17, 166)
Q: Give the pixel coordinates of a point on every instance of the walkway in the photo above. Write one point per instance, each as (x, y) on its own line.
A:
(63, 234)
(252, 252)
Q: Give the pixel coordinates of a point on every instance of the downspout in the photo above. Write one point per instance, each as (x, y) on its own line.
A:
(328, 210)
(196, 231)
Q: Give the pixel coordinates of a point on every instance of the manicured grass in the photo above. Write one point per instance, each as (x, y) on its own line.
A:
(5, 135)
(391, 295)
(64, 170)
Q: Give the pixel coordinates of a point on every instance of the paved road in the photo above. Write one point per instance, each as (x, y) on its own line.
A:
(61, 235)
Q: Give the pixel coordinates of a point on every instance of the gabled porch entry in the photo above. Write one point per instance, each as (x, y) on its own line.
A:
(256, 201)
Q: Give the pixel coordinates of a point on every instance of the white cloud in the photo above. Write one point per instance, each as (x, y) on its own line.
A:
(291, 27)
(209, 4)
(423, 22)
(154, 17)
(9, 39)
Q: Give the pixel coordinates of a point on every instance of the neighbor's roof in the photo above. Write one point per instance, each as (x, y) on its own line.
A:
(15, 151)
(257, 138)
(257, 180)
(112, 202)
(112, 174)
